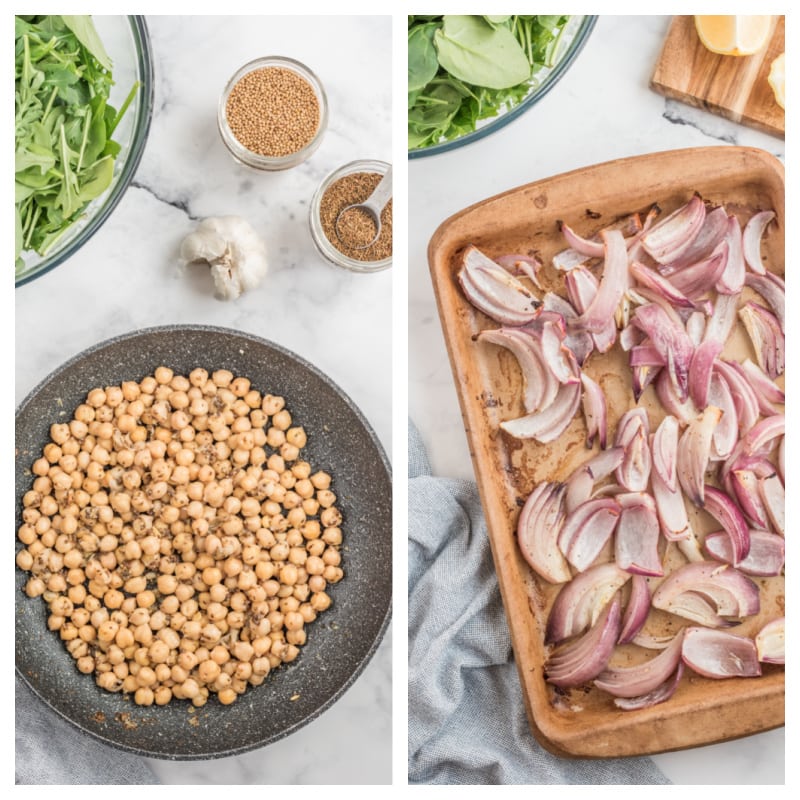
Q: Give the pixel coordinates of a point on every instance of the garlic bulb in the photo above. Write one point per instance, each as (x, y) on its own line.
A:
(235, 252)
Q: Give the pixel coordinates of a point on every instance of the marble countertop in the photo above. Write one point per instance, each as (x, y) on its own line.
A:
(127, 277)
(601, 110)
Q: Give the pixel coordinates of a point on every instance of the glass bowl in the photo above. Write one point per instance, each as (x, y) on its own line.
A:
(248, 157)
(574, 38)
(128, 44)
(323, 245)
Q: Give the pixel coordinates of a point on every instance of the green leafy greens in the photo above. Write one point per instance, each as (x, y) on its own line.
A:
(466, 68)
(64, 153)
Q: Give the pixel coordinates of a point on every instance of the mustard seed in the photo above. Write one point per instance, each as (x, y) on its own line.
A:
(273, 112)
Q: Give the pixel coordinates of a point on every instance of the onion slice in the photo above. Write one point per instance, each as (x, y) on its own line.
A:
(582, 481)
(582, 288)
(726, 434)
(732, 278)
(700, 370)
(766, 391)
(586, 247)
(769, 341)
(642, 678)
(773, 494)
(549, 423)
(727, 513)
(586, 531)
(745, 400)
(751, 239)
(520, 264)
(771, 642)
(765, 559)
(636, 540)
(702, 277)
(612, 284)
(660, 694)
(671, 237)
(705, 592)
(595, 411)
(492, 290)
(710, 235)
(632, 434)
(636, 609)
(581, 601)
(745, 486)
(665, 451)
(720, 654)
(694, 450)
(584, 659)
(537, 532)
(773, 291)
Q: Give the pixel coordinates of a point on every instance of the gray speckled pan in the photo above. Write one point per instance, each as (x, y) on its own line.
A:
(340, 642)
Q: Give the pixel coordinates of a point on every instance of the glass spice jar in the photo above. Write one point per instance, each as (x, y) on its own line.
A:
(323, 244)
(293, 76)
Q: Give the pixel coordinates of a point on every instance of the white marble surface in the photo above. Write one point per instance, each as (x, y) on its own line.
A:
(602, 109)
(127, 278)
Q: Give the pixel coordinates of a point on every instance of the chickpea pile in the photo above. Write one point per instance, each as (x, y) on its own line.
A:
(180, 542)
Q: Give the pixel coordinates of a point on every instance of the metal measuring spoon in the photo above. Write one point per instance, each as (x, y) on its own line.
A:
(373, 206)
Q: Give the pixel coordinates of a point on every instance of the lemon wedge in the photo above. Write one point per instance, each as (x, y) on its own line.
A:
(777, 79)
(733, 35)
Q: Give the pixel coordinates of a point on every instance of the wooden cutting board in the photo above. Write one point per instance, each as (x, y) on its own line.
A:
(734, 87)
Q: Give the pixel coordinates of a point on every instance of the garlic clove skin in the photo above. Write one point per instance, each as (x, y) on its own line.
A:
(233, 250)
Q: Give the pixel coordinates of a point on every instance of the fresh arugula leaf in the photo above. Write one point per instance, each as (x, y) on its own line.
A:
(64, 153)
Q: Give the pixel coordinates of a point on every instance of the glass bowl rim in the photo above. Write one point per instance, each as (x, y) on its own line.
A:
(141, 131)
(581, 36)
(272, 163)
(336, 257)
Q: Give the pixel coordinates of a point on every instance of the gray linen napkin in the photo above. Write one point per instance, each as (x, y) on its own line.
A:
(50, 751)
(466, 716)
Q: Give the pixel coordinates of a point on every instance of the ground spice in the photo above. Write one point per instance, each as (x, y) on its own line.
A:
(273, 112)
(356, 229)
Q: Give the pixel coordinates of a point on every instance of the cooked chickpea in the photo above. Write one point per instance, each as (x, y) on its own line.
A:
(177, 556)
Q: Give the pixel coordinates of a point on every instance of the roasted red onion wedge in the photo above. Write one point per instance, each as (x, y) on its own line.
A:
(722, 319)
(745, 400)
(751, 240)
(581, 601)
(700, 370)
(586, 531)
(581, 483)
(719, 654)
(520, 264)
(758, 441)
(727, 513)
(726, 434)
(636, 609)
(549, 423)
(694, 450)
(665, 451)
(636, 539)
(492, 290)
(765, 559)
(582, 287)
(537, 532)
(671, 340)
(771, 642)
(586, 247)
(580, 342)
(612, 285)
(745, 486)
(660, 694)
(540, 384)
(773, 495)
(666, 241)
(768, 394)
(767, 337)
(711, 234)
(705, 592)
(595, 411)
(684, 410)
(732, 278)
(700, 278)
(632, 434)
(773, 290)
(650, 279)
(584, 659)
(642, 678)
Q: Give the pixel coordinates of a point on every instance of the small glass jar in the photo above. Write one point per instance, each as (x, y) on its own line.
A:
(323, 244)
(248, 157)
